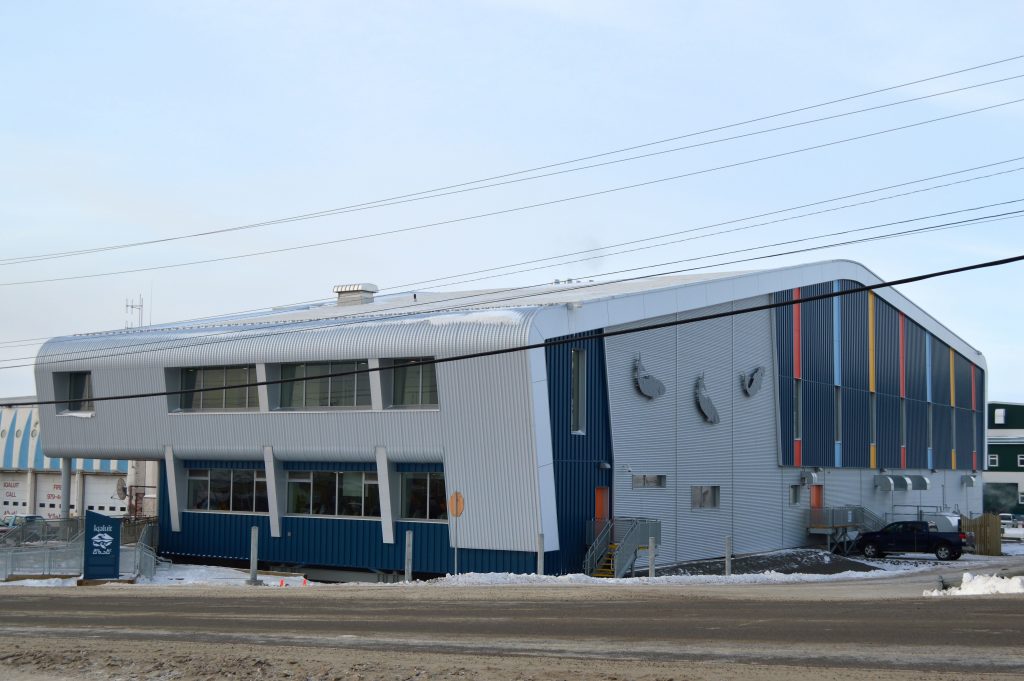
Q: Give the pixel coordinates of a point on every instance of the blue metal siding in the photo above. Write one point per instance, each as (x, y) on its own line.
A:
(786, 420)
(856, 428)
(816, 336)
(916, 361)
(327, 542)
(887, 348)
(234, 465)
(329, 466)
(888, 430)
(917, 434)
(854, 313)
(962, 370)
(818, 423)
(577, 457)
(940, 372)
(964, 438)
(418, 468)
(26, 429)
(783, 317)
(942, 421)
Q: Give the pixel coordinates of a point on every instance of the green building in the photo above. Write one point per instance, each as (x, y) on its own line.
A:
(1004, 474)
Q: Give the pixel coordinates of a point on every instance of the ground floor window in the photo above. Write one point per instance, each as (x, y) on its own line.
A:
(423, 496)
(705, 496)
(348, 493)
(216, 489)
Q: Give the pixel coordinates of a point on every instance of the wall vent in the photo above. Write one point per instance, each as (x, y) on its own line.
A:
(355, 294)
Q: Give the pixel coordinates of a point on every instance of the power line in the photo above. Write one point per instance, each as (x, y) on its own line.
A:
(237, 334)
(464, 187)
(513, 209)
(564, 341)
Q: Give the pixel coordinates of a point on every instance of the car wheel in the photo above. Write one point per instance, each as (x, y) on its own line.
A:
(871, 550)
(956, 555)
(944, 552)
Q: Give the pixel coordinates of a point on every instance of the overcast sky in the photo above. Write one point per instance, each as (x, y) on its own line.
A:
(128, 121)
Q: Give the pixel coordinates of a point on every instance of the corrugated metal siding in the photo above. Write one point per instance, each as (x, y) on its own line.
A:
(887, 348)
(962, 369)
(940, 372)
(327, 542)
(856, 428)
(419, 468)
(916, 364)
(888, 424)
(234, 465)
(942, 436)
(854, 312)
(783, 317)
(329, 466)
(964, 438)
(576, 457)
(818, 423)
(917, 434)
(816, 334)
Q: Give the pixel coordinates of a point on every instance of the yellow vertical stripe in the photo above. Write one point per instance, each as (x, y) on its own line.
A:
(952, 380)
(874, 457)
(954, 459)
(871, 349)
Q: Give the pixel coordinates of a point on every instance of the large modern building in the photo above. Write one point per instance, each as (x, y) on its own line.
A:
(737, 424)
(1004, 478)
(31, 481)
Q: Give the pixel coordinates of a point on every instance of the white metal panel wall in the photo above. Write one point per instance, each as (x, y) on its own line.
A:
(100, 495)
(705, 450)
(48, 495)
(14, 487)
(644, 430)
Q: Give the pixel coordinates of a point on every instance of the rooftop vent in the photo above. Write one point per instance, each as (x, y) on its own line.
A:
(355, 294)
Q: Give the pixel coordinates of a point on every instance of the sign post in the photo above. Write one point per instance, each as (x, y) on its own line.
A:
(102, 544)
(456, 505)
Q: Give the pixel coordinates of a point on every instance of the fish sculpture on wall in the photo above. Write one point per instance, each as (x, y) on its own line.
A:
(648, 385)
(704, 403)
(752, 383)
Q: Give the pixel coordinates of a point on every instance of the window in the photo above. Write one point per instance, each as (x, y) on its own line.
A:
(579, 391)
(838, 414)
(320, 390)
(1020, 461)
(423, 496)
(227, 399)
(640, 481)
(798, 410)
(76, 388)
(873, 418)
(794, 494)
(704, 496)
(243, 491)
(350, 493)
(903, 423)
(409, 384)
(993, 461)
(1020, 498)
(1000, 417)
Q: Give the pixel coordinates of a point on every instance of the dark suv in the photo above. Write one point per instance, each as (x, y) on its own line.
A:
(912, 536)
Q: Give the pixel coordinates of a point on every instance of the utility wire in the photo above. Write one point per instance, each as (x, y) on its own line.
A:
(464, 187)
(516, 208)
(565, 341)
(346, 320)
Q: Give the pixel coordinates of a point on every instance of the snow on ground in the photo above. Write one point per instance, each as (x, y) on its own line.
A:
(1015, 548)
(976, 585)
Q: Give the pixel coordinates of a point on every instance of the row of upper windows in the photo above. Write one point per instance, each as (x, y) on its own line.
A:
(344, 494)
(406, 383)
(993, 460)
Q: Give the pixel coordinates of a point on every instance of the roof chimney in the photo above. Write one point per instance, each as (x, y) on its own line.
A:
(355, 294)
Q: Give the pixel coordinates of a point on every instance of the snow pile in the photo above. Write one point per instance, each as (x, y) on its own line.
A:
(73, 581)
(980, 585)
(220, 576)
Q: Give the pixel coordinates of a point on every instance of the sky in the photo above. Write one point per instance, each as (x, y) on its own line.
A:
(127, 121)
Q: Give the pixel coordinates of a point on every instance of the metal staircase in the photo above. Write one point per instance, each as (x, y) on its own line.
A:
(616, 543)
(841, 525)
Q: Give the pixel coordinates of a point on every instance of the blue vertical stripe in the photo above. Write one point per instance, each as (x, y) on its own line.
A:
(837, 337)
(839, 456)
(40, 460)
(122, 466)
(88, 464)
(26, 436)
(9, 442)
(105, 465)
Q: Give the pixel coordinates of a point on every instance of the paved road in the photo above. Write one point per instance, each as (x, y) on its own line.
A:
(811, 628)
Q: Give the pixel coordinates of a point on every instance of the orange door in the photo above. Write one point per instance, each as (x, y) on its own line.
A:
(601, 503)
(817, 496)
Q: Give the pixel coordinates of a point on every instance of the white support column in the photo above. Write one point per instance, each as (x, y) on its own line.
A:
(65, 489)
(80, 490)
(262, 390)
(387, 486)
(176, 487)
(376, 396)
(30, 480)
(277, 488)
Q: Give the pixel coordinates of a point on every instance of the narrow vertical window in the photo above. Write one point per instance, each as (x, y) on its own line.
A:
(579, 391)
(930, 441)
(873, 418)
(798, 410)
(80, 391)
(839, 414)
(903, 423)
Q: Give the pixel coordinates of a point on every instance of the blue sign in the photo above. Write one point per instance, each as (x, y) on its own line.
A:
(102, 546)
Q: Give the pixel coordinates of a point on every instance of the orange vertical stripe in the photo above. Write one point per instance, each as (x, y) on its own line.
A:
(796, 335)
(903, 457)
(798, 453)
(871, 342)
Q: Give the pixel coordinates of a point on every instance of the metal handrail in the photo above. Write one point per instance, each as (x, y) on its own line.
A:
(598, 548)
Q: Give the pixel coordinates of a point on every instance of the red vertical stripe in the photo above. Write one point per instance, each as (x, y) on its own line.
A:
(796, 336)
(974, 461)
(974, 396)
(903, 457)
(903, 357)
(798, 453)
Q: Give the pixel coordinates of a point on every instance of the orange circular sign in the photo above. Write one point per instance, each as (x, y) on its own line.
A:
(456, 504)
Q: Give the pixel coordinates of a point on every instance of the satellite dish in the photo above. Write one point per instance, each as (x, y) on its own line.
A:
(122, 489)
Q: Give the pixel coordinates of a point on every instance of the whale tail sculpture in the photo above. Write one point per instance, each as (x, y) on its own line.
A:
(647, 384)
(704, 403)
(752, 383)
